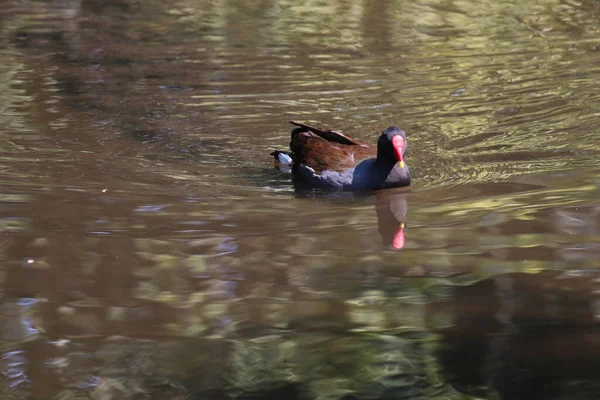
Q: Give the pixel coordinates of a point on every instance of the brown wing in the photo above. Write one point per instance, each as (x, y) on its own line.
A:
(330, 136)
(321, 155)
(318, 153)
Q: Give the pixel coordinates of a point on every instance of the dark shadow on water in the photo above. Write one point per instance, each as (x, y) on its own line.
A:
(522, 336)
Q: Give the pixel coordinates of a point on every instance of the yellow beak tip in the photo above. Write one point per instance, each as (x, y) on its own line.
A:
(401, 164)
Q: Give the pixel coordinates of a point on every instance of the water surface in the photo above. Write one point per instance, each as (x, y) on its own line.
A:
(151, 250)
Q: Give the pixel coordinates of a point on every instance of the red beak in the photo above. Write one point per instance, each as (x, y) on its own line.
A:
(399, 144)
(399, 238)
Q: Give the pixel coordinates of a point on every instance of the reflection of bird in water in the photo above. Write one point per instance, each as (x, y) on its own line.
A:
(391, 207)
(329, 159)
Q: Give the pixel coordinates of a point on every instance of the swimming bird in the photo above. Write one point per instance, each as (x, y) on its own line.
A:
(330, 159)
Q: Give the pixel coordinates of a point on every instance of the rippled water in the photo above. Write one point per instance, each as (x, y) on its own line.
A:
(151, 250)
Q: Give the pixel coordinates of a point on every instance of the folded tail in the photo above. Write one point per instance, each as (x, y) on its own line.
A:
(283, 157)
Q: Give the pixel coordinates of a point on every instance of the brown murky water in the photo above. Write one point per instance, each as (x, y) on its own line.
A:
(151, 251)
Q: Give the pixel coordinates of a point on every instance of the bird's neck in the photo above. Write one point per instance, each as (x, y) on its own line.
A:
(384, 165)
